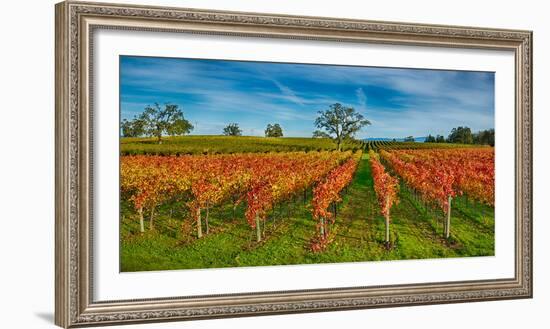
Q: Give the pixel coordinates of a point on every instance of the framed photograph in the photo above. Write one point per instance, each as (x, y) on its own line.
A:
(217, 164)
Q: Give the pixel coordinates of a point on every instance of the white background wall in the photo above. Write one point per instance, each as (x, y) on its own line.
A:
(27, 162)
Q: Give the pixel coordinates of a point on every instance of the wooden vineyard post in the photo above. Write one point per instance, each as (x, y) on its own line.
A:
(141, 225)
(234, 199)
(388, 221)
(263, 228)
(322, 219)
(206, 218)
(258, 229)
(386, 188)
(199, 224)
(151, 218)
(448, 223)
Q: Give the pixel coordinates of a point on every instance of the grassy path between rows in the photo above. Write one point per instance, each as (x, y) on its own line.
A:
(415, 233)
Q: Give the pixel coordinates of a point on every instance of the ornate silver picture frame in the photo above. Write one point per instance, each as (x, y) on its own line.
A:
(76, 23)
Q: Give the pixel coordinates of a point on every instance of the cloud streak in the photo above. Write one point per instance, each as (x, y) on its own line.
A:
(288, 93)
(361, 98)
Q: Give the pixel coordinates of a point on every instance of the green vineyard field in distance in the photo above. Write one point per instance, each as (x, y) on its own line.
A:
(249, 144)
(376, 145)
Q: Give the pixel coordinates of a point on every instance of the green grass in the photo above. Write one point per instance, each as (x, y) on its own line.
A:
(415, 233)
(228, 144)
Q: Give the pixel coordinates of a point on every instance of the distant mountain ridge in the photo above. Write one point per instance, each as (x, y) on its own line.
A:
(416, 139)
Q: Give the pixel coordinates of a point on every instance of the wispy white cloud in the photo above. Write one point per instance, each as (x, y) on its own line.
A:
(288, 93)
(361, 98)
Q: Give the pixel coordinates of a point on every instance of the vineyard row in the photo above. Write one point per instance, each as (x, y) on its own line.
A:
(440, 175)
(201, 182)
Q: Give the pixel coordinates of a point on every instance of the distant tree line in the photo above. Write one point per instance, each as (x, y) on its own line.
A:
(436, 139)
(464, 135)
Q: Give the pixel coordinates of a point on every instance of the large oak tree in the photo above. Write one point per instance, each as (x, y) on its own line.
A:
(155, 121)
(339, 123)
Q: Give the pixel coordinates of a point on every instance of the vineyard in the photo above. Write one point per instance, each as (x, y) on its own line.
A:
(261, 181)
(182, 145)
(246, 209)
(440, 175)
(394, 145)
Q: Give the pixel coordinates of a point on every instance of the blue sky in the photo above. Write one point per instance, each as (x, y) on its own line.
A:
(398, 102)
